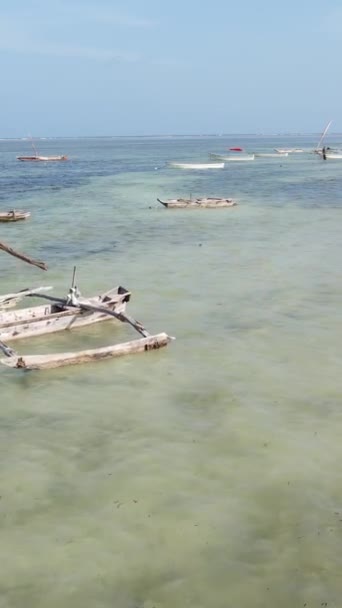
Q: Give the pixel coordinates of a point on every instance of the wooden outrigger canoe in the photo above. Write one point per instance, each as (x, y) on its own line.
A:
(191, 203)
(14, 216)
(75, 312)
(59, 315)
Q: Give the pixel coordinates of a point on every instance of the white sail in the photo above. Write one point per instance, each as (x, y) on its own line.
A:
(323, 135)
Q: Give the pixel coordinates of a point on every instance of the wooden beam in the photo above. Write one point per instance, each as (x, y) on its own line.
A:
(31, 362)
(22, 256)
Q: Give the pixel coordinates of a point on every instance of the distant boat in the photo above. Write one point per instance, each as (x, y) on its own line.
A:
(236, 149)
(196, 165)
(14, 216)
(42, 158)
(330, 155)
(232, 157)
(38, 158)
(289, 150)
(271, 154)
(197, 203)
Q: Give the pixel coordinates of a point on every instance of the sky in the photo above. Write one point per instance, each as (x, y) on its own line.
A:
(148, 67)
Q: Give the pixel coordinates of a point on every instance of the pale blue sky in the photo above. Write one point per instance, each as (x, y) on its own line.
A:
(80, 67)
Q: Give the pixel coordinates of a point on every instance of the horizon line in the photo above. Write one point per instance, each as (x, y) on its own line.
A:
(258, 134)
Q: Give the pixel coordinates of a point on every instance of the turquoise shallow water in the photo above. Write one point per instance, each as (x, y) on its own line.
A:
(205, 474)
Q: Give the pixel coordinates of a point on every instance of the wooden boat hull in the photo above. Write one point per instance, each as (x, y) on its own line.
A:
(232, 157)
(14, 216)
(271, 154)
(40, 362)
(43, 159)
(45, 319)
(289, 150)
(200, 166)
(208, 203)
(331, 155)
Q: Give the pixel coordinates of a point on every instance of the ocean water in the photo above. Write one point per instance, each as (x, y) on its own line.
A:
(206, 474)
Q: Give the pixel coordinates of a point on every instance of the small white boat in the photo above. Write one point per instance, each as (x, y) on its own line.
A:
(43, 159)
(271, 154)
(196, 165)
(331, 155)
(289, 150)
(232, 157)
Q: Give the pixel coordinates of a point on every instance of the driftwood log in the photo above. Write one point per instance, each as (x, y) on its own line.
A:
(22, 256)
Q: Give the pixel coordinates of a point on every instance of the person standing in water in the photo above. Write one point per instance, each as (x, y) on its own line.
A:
(324, 154)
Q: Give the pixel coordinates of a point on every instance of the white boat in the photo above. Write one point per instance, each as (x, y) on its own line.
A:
(330, 155)
(271, 154)
(197, 165)
(43, 159)
(232, 157)
(289, 150)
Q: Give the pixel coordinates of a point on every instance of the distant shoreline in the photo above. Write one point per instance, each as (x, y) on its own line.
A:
(172, 136)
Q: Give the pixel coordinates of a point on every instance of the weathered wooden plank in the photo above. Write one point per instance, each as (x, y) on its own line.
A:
(39, 362)
(11, 299)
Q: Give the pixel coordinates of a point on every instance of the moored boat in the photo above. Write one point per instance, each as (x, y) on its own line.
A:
(14, 216)
(44, 159)
(271, 154)
(289, 150)
(196, 165)
(38, 157)
(66, 313)
(59, 315)
(197, 203)
(232, 157)
(329, 155)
